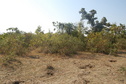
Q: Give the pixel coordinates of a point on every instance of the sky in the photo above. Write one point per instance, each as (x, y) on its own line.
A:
(27, 15)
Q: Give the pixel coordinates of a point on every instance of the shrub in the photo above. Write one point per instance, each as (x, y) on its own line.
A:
(13, 43)
(62, 44)
(38, 40)
(101, 42)
(121, 43)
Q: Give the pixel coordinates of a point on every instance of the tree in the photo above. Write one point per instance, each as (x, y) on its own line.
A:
(59, 26)
(63, 27)
(103, 21)
(95, 25)
(118, 30)
(76, 30)
(69, 27)
(38, 30)
(14, 30)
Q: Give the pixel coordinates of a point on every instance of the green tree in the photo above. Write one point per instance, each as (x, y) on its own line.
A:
(96, 26)
(14, 30)
(38, 30)
(59, 27)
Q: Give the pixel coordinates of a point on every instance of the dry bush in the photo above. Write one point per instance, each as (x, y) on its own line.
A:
(121, 43)
(13, 43)
(101, 42)
(63, 44)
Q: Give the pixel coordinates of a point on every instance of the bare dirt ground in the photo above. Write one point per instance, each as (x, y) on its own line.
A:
(83, 68)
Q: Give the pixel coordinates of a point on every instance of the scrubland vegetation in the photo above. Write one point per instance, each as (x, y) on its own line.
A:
(74, 54)
(13, 43)
(68, 39)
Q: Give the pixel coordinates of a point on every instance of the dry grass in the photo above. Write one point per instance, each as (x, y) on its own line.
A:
(84, 68)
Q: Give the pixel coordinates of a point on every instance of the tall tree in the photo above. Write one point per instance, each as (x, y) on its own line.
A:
(59, 26)
(95, 25)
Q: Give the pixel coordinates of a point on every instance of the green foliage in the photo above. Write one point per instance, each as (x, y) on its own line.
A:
(69, 39)
(96, 26)
(35, 42)
(38, 30)
(107, 41)
(122, 43)
(13, 43)
(27, 38)
(14, 30)
(63, 44)
(102, 38)
(119, 33)
(69, 28)
(101, 42)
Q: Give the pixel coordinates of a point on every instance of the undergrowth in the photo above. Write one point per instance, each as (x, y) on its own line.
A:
(16, 43)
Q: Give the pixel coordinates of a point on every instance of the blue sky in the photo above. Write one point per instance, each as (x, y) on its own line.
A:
(28, 14)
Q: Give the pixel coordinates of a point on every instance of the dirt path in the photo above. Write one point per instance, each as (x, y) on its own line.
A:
(84, 68)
